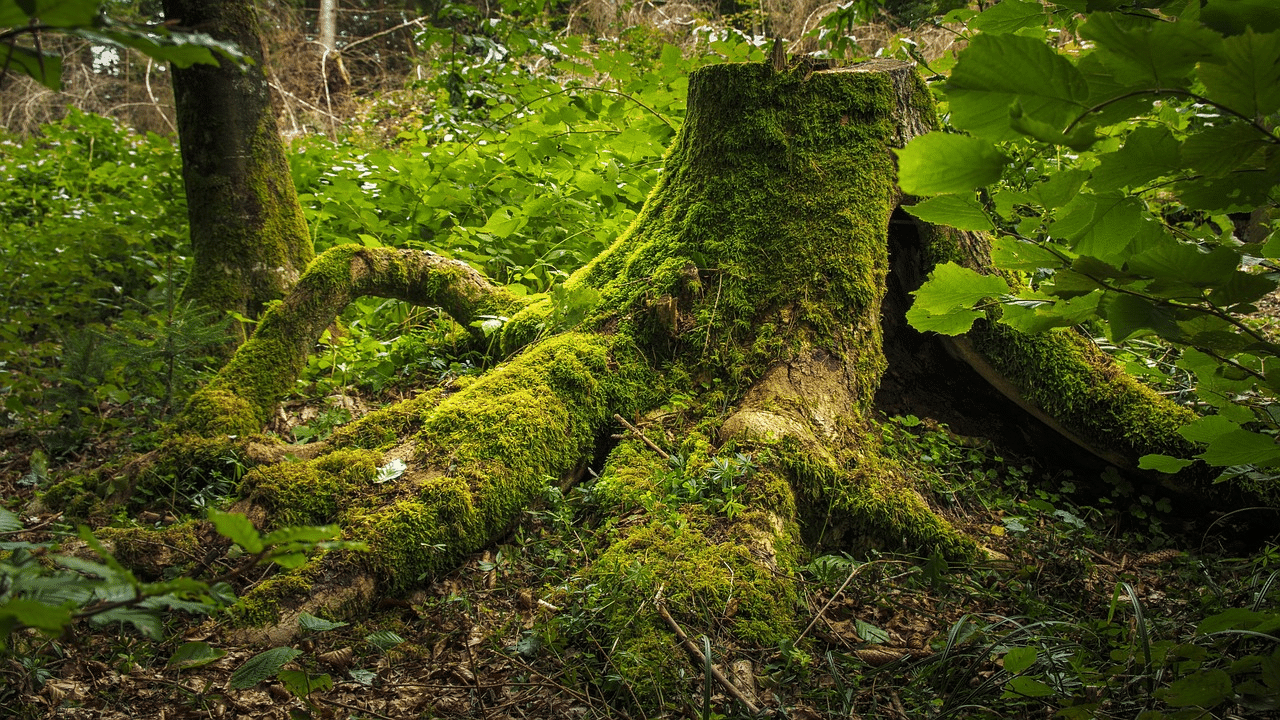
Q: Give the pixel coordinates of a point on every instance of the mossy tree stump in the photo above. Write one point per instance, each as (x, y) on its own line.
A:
(751, 285)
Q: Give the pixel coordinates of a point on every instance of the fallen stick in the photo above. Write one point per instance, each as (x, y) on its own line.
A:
(701, 659)
(662, 453)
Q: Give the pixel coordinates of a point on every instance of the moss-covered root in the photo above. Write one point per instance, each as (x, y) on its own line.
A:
(1071, 384)
(240, 400)
(733, 580)
(481, 455)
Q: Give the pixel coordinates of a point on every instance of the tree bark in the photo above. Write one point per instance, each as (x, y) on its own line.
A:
(751, 286)
(248, 237)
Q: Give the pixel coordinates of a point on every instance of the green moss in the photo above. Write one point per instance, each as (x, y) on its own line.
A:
(153, 553)
(497, 443)
(386, 426)
(312, 493)
(262, 604)
(1074, 382)
(717, 589)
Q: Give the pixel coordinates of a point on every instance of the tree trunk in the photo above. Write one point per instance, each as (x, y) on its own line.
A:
(738, 323)
(248, 237)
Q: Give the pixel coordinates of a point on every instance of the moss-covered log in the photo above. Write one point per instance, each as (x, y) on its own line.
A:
(751, 285)
(248, 237)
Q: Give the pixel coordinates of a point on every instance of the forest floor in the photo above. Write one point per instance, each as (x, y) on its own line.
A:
(501, 637)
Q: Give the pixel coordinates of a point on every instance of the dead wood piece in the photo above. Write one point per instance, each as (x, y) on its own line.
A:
(636, 431)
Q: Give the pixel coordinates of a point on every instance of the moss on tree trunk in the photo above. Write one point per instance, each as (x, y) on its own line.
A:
(751, 287)
(248, 237)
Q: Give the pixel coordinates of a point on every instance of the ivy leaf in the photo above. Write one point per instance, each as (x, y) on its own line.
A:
(1008, 16)
(262, 666)
(944, 303)
(962, 212)
(1248, 78)
(1146, 52)
(996, 70)
(947, 163)
(237, 528)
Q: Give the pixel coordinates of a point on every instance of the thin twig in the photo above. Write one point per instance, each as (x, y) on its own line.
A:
(636, 431)
(700, 659)
(832, 599)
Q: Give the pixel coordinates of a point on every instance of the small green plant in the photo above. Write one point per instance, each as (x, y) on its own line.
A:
(50, 592)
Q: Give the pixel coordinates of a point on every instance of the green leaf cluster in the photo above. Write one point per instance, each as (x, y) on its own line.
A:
(1125, 156)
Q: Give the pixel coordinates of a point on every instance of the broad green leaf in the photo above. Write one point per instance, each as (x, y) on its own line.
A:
(1162, 463)
(237, 528)
(1081, 137)
(9, 522)
(962, 212)
(1231, 17)
(947, 163)
(1236, 192)
(11, 15)
(1148, 153)
(1217, 151)
(65, 13)
(1242, 287)
(1008, 16)
(307, 621)
(144, 620)
(944, 303)
(1147, 52)
(1204, 689)
(1232, 619)
(504, 221)
(1029, 687)
(1248, 78)
(1019, 659)
(384, 639)
(262, 666)
(49, 619)
(1101, 225)
(1060, 188)
(42, 67)
(1185, 262)
(302, 534)
(1110, 100)
(1128, 316)
(997, 70)
(301, 683)
(194, 655)
(1207, 428)
(1242, 447)
(1032, 317)
(1010, 253)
